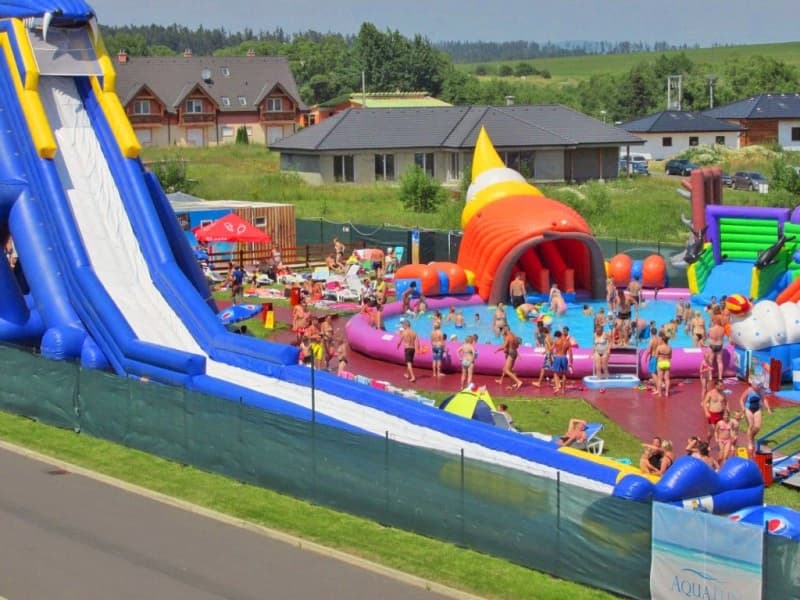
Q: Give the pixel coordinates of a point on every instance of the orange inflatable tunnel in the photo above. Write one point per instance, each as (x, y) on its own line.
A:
(619, 269)
(433, 279)
(654, 272)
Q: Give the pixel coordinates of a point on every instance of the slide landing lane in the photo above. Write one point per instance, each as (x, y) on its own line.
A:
(728, 277)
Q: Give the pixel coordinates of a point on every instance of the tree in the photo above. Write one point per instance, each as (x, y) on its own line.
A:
(241, 135)
(505, 71)
(524, 69)
(419, 192)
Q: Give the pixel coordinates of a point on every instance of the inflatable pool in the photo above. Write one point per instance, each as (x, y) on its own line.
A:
(621, 380)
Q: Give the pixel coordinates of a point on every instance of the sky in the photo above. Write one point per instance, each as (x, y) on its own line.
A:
(702, 22)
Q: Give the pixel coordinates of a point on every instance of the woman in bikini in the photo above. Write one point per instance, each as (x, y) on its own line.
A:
(723, 434)
(510, 347)
(663, 364)
(751, 401)
(667, 456)
(466, 354)
(602, 350)
(500, 322)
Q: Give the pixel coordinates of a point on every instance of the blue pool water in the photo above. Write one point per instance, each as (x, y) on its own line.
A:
(580, 325)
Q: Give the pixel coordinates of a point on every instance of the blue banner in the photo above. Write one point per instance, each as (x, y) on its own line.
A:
(700, 555)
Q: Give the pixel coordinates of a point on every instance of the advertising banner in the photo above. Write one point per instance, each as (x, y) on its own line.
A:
(700, 555)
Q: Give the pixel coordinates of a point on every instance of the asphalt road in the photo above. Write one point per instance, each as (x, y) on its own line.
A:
(65, 535)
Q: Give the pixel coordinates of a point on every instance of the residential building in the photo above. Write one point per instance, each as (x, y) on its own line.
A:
(670, 132)
(543, 142)
(204, 100)
(420, 99)
(766, 118)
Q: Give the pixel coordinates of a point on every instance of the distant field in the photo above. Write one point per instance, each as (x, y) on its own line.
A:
(572, 69)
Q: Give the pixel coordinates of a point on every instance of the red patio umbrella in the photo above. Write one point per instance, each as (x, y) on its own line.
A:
(232, 228)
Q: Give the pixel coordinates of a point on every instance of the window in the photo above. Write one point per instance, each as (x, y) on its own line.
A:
(384, 167)
(226, 72)
(242, 101)
(720, 139)
(666, 142)
(260, 222)
(454, 167)
(425, 162)
(274, 105)
(343, 167)
(521, 162)
(145, 136)
(226, 101)
(694, 140)
(141, 107)
(227, 131)
(796, 134)
(194, 105)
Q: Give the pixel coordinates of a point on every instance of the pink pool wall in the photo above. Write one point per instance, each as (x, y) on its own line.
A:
(382, 345)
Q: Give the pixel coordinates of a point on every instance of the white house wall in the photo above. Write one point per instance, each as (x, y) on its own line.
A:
(785, 135)
(680, 142)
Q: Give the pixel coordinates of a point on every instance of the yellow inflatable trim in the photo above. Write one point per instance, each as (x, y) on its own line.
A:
(106, 65)
(31, 103)
(608, 462)
(485, 156)
(503, 189)
(117, 120)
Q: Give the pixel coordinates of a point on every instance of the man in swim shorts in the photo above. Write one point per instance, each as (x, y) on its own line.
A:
(562, 361)
(410, 342)
(714, 405)
(516, 290)
(437, 349)
(716, 342)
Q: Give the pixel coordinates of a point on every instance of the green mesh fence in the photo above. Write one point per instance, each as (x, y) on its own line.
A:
(539, 523)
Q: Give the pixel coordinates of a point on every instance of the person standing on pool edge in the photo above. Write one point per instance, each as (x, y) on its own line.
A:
(562, 362)
(410, 342)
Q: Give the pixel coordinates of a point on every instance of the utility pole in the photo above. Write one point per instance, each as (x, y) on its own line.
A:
(363, 89)
(674, 92)
(711, 79)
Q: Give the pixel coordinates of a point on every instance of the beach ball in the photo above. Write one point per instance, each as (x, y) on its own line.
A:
(737, 304)
(546, 319)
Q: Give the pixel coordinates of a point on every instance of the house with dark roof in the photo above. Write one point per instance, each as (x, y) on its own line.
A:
(766, 118)
(543, 142)
(670, 132)
(204, 100)
(323, 110)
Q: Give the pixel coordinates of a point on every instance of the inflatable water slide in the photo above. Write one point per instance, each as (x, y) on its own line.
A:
(106, 276)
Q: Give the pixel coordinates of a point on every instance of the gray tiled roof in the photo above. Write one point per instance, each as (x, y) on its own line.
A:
(763, 106)
(677, 121)
(455, 127)
(171, 78)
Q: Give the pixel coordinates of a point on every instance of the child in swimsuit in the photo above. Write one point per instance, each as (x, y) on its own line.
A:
(466, 353)
(723, 433)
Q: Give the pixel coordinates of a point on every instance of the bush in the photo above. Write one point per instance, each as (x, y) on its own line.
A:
(505, 71)
(241, 135)
(419, 192)
(171, 173)
(784, 176)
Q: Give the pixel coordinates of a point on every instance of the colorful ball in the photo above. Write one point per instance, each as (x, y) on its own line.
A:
(737, 304)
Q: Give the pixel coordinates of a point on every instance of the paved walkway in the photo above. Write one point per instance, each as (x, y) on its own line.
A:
(66, 535)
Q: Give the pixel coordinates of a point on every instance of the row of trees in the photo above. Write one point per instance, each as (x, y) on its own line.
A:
(328, 65)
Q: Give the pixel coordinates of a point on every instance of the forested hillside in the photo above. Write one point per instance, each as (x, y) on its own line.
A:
(328, 65)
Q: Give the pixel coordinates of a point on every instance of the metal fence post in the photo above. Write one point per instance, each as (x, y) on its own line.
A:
(386, 477)
(76, 399)
(463, 502)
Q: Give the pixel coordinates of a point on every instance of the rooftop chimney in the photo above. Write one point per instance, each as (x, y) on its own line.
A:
(251, 53)
(187, 53)
(509, 100)
(122, 57)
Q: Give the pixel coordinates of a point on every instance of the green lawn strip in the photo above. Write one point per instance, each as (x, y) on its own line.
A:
(407, 552)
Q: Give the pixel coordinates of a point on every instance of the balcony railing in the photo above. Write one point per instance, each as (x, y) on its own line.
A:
(193, 118)
(287, 116)
(139, 119)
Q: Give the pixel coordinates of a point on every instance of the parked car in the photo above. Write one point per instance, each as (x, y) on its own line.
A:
(679, 166)
(637, 167)
(726, 180)
(748, 180)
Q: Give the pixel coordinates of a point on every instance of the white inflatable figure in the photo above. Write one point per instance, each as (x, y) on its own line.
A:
(791, 319)
(762, 328)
